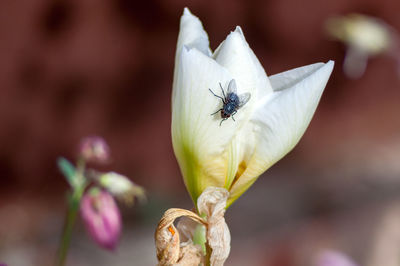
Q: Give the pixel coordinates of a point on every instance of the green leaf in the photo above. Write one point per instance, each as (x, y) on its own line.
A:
(67, 169)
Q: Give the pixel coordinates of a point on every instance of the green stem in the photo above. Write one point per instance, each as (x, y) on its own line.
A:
(74, 200)
(73, 208)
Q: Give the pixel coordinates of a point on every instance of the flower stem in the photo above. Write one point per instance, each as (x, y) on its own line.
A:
(74, 200)
(70, 219)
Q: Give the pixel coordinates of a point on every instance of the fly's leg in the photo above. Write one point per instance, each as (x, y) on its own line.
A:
(233, 115)
(222, 99)
(216, 112)
(223, 93)
(222, 121)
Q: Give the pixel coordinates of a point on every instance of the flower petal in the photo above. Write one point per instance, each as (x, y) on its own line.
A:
(280, 120)
(199, 142)
(192, 34)
(102, 218)
(289, 78)
(236, 56)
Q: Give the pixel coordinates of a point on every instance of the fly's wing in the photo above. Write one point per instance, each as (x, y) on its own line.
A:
(231, 87)
(243, 99)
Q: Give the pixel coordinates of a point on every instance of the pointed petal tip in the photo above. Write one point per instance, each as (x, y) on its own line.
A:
(192, 33)
(188, 15)
(239, 30)
(187, 12)
(236, 36)
(323, 72)
(329, 66)
(330, 63)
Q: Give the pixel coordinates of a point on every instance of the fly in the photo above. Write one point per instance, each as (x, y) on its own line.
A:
(231, 102)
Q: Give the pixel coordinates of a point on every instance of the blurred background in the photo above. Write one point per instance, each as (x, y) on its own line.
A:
(69, 69)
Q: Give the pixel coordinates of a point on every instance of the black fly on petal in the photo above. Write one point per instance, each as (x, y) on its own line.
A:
(231, 102)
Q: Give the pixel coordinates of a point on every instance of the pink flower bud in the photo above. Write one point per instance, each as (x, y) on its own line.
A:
(101, 216)
(94, 149)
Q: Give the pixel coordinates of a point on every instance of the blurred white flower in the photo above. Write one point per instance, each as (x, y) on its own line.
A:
(364, 37)
(121, 187)
(233, 154)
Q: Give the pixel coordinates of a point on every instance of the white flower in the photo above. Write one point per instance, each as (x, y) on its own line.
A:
(121, 187)
(364, 37)
(232, 155)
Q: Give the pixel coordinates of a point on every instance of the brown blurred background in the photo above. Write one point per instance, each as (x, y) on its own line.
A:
(69, 69)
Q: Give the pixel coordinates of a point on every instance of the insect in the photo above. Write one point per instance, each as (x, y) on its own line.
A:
(231, 102)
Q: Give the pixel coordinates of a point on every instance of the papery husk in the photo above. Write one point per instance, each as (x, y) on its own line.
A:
(191, 255)
(175, 246)
(186, 228)
(212, 202)
(170, 250)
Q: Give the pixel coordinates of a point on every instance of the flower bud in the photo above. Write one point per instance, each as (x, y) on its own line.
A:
(94, 149)
(102, 218)
(225, 143)
(121, 187)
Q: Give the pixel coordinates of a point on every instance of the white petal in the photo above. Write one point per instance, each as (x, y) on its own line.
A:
(279, 121)
(288, 78)
(192, 34)
(235, 55)
(195, 103)
(284, 118)
(265, 84)
(198, 139)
